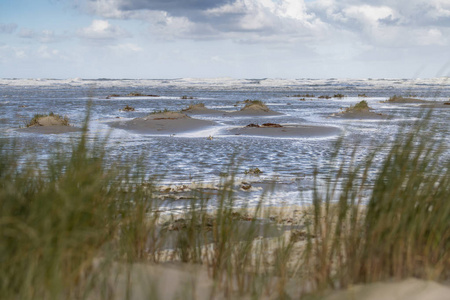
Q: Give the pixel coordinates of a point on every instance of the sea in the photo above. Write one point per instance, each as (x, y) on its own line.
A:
(290, 167)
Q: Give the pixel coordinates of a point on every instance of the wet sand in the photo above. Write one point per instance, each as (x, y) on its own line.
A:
(361, 115)
(287, 131)
(253, 113)
(404, 100)
(424, 103)
(438, 105)
(164, 123)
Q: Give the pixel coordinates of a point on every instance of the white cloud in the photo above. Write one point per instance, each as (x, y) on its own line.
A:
(45, 52)
(237, 7)
(368, 14)
(238, 19)
(43, 36)
(127, 48)
(8, 28)
(107, 9)
(8, 53)
(426, 37)
(102, 31)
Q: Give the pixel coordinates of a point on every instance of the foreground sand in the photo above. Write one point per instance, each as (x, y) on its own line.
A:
(188, 281)
(409, 289)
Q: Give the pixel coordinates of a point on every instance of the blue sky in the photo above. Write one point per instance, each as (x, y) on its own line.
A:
(224, 38)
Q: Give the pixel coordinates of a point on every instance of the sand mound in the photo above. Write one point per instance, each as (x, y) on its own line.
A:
(255, 108)
(400, 99)
(360, 111)
(164, 123)
(49, 124)
(51, 121)
(200, 108)
(169, 115)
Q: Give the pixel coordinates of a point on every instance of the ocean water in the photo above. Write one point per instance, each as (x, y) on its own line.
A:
(288, 163)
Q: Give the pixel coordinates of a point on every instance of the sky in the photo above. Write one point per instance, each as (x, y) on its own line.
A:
(224, 38)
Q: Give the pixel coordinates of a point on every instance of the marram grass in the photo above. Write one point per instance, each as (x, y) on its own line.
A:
(404, 229)
(63, 229)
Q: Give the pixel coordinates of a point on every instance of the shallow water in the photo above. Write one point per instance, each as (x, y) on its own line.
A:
(189, 157)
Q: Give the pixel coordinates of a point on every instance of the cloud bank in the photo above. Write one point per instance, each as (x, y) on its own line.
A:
(375, 22)
(240, 38)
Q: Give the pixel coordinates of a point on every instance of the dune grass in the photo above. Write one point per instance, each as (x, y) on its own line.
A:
(65, 226)
(358, 107)
(128, 108)
(194, 106)
(162, 111)
(402, 231)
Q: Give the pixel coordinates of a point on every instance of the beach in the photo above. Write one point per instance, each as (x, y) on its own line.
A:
(235, 192)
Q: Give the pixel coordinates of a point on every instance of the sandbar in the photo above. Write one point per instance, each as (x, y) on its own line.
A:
(200, 109)
(163, 123)
(288, 131)
(399, 100)
(361, 115)
(436, 105)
